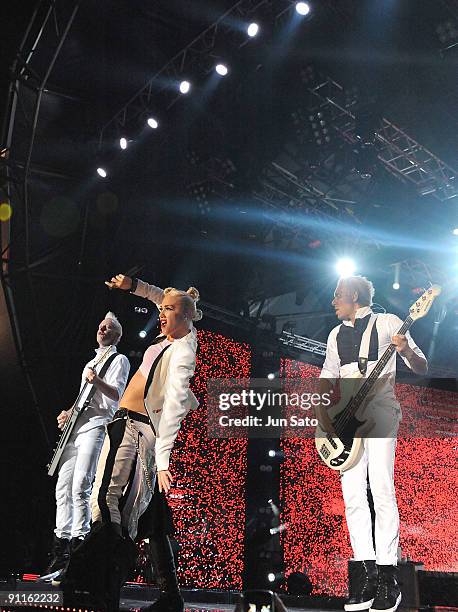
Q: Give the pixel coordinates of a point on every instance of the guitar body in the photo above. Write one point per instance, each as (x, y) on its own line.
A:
(343, 452)
(64, 438)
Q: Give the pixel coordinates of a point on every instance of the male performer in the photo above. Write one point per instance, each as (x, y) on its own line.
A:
(140, 440)
(79, 459)
(373, 582)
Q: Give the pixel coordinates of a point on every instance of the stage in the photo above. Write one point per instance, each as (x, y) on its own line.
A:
(431, 591)
(135, 597)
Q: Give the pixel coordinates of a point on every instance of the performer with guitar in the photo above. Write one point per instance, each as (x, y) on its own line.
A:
(103, 381)
(373, 570)
(136, 451)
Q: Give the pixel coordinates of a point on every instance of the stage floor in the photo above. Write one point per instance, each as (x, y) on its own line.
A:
(135, 597)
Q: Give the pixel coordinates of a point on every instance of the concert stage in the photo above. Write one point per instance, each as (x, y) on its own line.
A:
(431, 590)
(135, 597)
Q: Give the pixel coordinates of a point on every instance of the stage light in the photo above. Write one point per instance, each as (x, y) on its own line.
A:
(123, 143)
(345, 267)
(271, 376)
(397, 276)
(221, 69)
(102, 172)
(271, 577)
(252, 30)
(152, 123)
(142, 334)
(5, 211)
(185, 87)
(272, 453)
(455, 231)
(303, 8)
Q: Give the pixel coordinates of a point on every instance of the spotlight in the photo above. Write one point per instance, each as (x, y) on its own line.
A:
(455, 231)
(5, 211)
(276, 454)
(252, 30)
(221, 69)
(185, 86)
(102, 172)
(397, 276)
(123, 143)
(271, 577)
(271, 376)
(303, 8)
(142, 334)
(153, 124)
(345, 267)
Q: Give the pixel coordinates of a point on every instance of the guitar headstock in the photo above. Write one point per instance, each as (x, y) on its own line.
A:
(420, 307)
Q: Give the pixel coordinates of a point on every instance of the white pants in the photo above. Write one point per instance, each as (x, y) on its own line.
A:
(121, 493)
(74, 483)
(377, 461)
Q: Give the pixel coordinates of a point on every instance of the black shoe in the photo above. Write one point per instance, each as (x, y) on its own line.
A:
(75, 542)
(362, 585)
(161, 556)
(388, 596)
(60, 555)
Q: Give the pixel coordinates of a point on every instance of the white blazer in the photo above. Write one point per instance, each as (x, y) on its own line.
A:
(169, 398)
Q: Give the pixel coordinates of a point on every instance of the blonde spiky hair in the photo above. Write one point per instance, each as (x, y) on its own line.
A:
(111, 315)
(190, 299)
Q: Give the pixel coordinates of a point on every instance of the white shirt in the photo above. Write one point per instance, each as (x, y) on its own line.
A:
(101, 408)
(384, 404)
(387, 326)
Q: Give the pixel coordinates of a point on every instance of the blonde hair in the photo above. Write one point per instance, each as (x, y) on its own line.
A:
(360, 285)
(189, 299)
(111, 315)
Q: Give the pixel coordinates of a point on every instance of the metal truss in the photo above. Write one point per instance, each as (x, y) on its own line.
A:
(32, 67)
(196, 55)
(400, 154)
(301, 343)
(286, 197)
(302, 192)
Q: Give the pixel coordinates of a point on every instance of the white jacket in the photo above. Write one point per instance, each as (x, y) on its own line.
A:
(169, 398)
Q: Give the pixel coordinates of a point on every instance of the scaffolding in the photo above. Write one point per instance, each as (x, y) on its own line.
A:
(400, 154)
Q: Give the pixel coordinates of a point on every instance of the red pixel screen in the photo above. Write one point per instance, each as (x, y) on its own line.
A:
(208, 500)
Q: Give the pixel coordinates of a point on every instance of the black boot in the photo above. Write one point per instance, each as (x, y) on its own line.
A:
(388, 596)
(161, 555)
(75, 542)
(60, 555)
(362, 585)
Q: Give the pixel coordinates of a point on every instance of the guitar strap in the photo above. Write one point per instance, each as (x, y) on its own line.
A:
(101, 374)
(364, 347)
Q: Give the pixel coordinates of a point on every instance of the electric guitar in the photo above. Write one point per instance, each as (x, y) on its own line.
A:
(82, 402)
(343, 451)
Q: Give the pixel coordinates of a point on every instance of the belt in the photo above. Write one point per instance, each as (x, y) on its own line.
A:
(123, 413)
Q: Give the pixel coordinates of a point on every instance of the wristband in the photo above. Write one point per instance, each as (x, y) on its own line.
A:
(133, 288)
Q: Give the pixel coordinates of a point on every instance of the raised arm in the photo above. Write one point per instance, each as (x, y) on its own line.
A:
(137, 287)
